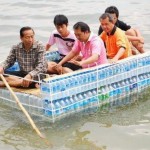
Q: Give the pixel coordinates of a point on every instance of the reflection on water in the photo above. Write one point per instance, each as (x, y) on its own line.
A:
(115, 126)
(120, 125)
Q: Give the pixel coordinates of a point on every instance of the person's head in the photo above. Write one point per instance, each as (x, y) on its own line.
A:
(106, 22)
(81, 31)
(61, 23)
(114, 12)
(27, 36)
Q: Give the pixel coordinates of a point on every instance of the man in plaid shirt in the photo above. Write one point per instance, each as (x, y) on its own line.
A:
(30, 56)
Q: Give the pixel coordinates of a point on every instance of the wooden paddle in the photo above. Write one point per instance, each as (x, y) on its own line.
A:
(21, 107)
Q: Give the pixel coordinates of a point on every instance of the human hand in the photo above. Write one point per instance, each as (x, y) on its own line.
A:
(79, 63)
(78, 57)
(140, 45)
(112, 61)
(26, 80)
(141, 40)
(58, 68)
(1, 70)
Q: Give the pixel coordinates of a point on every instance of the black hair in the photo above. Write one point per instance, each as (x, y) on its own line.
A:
(106, 15)
(60, 20)
(24, 29)
(112, 10)
(82, 26)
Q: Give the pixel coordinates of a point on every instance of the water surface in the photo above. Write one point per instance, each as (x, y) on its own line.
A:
(106, 128)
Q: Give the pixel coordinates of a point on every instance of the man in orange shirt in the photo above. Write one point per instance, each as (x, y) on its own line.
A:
(117, 44)
(133, 35)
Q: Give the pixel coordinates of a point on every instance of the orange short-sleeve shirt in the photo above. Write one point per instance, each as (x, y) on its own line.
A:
(114, 41)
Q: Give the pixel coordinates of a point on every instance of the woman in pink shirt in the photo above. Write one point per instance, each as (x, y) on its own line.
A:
(90, 47)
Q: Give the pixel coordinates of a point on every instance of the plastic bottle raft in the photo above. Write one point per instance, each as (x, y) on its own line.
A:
(87, 88)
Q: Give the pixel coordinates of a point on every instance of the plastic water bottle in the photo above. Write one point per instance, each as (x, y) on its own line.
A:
(53, 87)
(84, 79)
(67, 83)
(46, 102)
(93, 76)
(69, 105)
(143, 81)
(115, 90)
(127, 67)
(47, 112)
(88, 76)
(133, 81)
(49, 108)
(111, 94)
(140, 63)
(118, 69)
(62, 85)
(81, 99)
(72, 102)
(101, 74)
(45, 87)
(105, 94)
(79, 79)
(94, 93)
(54, 55)
(133, 64)
(85, 99)
(148, 79)
(58, 109)
(16, 66)
(91, 96)
(119, 89)
(76, 82)
(63, 105)
(80, 96)
(88, 97)
(57, 55)
(76, 103)
(49, 56)
(127, 86)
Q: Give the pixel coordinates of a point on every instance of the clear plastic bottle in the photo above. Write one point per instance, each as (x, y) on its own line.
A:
(81, 100)
(68, 103)
(94, 94)
(63, 105)
(111, 94)
(58, 109)
(72, 102)
(93, 76)
(62, 85)
(76, 103)
(90, 96)
(127, 86)
(47, 108)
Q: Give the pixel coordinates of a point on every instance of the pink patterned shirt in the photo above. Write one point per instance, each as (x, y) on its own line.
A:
(94, 45)
(64, 44)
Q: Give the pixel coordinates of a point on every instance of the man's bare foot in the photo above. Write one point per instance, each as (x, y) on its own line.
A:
(37, 85)
(2, 84)
(53, 75)
(140, 47)
(134, 52)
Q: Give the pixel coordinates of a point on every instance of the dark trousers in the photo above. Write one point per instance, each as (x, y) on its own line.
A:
(19, 74)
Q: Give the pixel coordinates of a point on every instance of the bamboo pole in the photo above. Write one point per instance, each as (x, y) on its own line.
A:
(21, 107)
